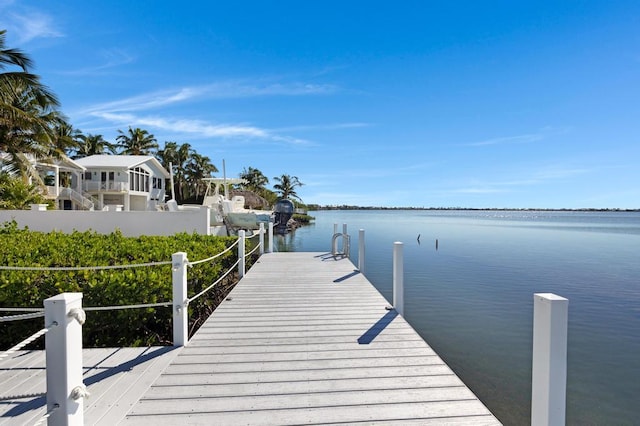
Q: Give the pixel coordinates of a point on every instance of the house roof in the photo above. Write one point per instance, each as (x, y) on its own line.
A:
(121, 162)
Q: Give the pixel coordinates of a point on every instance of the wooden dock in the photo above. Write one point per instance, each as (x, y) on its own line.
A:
(302, 339)
(306, 339)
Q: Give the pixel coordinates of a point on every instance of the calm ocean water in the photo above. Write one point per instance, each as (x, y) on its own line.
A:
(472, 298)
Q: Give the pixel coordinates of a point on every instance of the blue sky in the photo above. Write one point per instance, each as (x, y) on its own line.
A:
(409, 103)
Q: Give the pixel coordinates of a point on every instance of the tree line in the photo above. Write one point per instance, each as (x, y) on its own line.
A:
(32, 127)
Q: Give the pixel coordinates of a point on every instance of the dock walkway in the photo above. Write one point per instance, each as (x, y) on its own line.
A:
(302, 339)
(306, 339)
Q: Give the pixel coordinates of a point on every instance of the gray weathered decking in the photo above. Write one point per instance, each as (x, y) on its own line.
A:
(115, 377)
(304, 339)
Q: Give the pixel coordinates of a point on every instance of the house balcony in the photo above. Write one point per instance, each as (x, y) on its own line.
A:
(105, 186)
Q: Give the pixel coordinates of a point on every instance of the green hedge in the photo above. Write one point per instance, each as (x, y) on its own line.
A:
(152, 284)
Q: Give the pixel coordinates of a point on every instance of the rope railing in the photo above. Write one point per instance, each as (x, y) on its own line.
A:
(81, 268)
(22, 316)
(26, 341)
(180, 301)
(21, 310)
(118, 307)
(38, 312)
(191, 299)
(249, 237)
(208, 259)
(257, 247)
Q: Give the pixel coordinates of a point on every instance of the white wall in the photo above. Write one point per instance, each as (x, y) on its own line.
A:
(131, 223)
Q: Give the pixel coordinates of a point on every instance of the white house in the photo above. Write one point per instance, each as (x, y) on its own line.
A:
(134, 182)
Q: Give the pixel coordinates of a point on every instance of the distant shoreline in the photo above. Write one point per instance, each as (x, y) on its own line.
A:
(316, 208)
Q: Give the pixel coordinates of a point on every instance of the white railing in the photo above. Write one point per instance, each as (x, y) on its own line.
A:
(550, 320)
(85, 202)
(105, 186)
(65, 316)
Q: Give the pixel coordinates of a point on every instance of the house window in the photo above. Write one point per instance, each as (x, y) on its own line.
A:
(87, 175)
(139, 180)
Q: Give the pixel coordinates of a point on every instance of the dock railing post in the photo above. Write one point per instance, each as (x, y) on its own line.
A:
(180, 307)
(361, 251)
(398, 278)
(270, 250)
(241, 256)
(63, 343)
(261, 239)
(549, 364)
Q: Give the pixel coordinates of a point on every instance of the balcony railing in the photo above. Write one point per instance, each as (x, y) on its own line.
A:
(105, 186)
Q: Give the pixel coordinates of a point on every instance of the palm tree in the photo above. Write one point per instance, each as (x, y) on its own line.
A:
(286, 186)
(27, 131)
(136, 142)
(199, 167)
(256, 180)
(18, 195)
(66, 139)
(92, 145)
(174, 157)
(28, 114)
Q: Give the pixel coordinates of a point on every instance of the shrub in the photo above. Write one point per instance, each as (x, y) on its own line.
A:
(141, 285)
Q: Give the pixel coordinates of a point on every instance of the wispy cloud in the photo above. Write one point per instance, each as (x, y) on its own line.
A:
(135, 110)
(334, 126)
(220, 90)
(28, 25)
(111, 59)
(527, 138)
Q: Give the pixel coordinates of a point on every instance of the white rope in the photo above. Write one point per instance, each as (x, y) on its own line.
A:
(215, 256)
(253, 251)
(191, 299)
(116, 307)
(26, 341)
(21, 309)
(22, 396)
(21, 317)
(80, 268)
(46, 416)
(253, 235)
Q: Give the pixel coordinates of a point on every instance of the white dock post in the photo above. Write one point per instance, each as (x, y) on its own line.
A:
(241, 265)
(261, 250)
(398, 278)
(335, 228)
(361, 251)
(270, 238)
(549, 366)
(180, 308)
(64, 359)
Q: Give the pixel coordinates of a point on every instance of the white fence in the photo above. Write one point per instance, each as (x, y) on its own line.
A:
(130, 223)
(64, 317)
